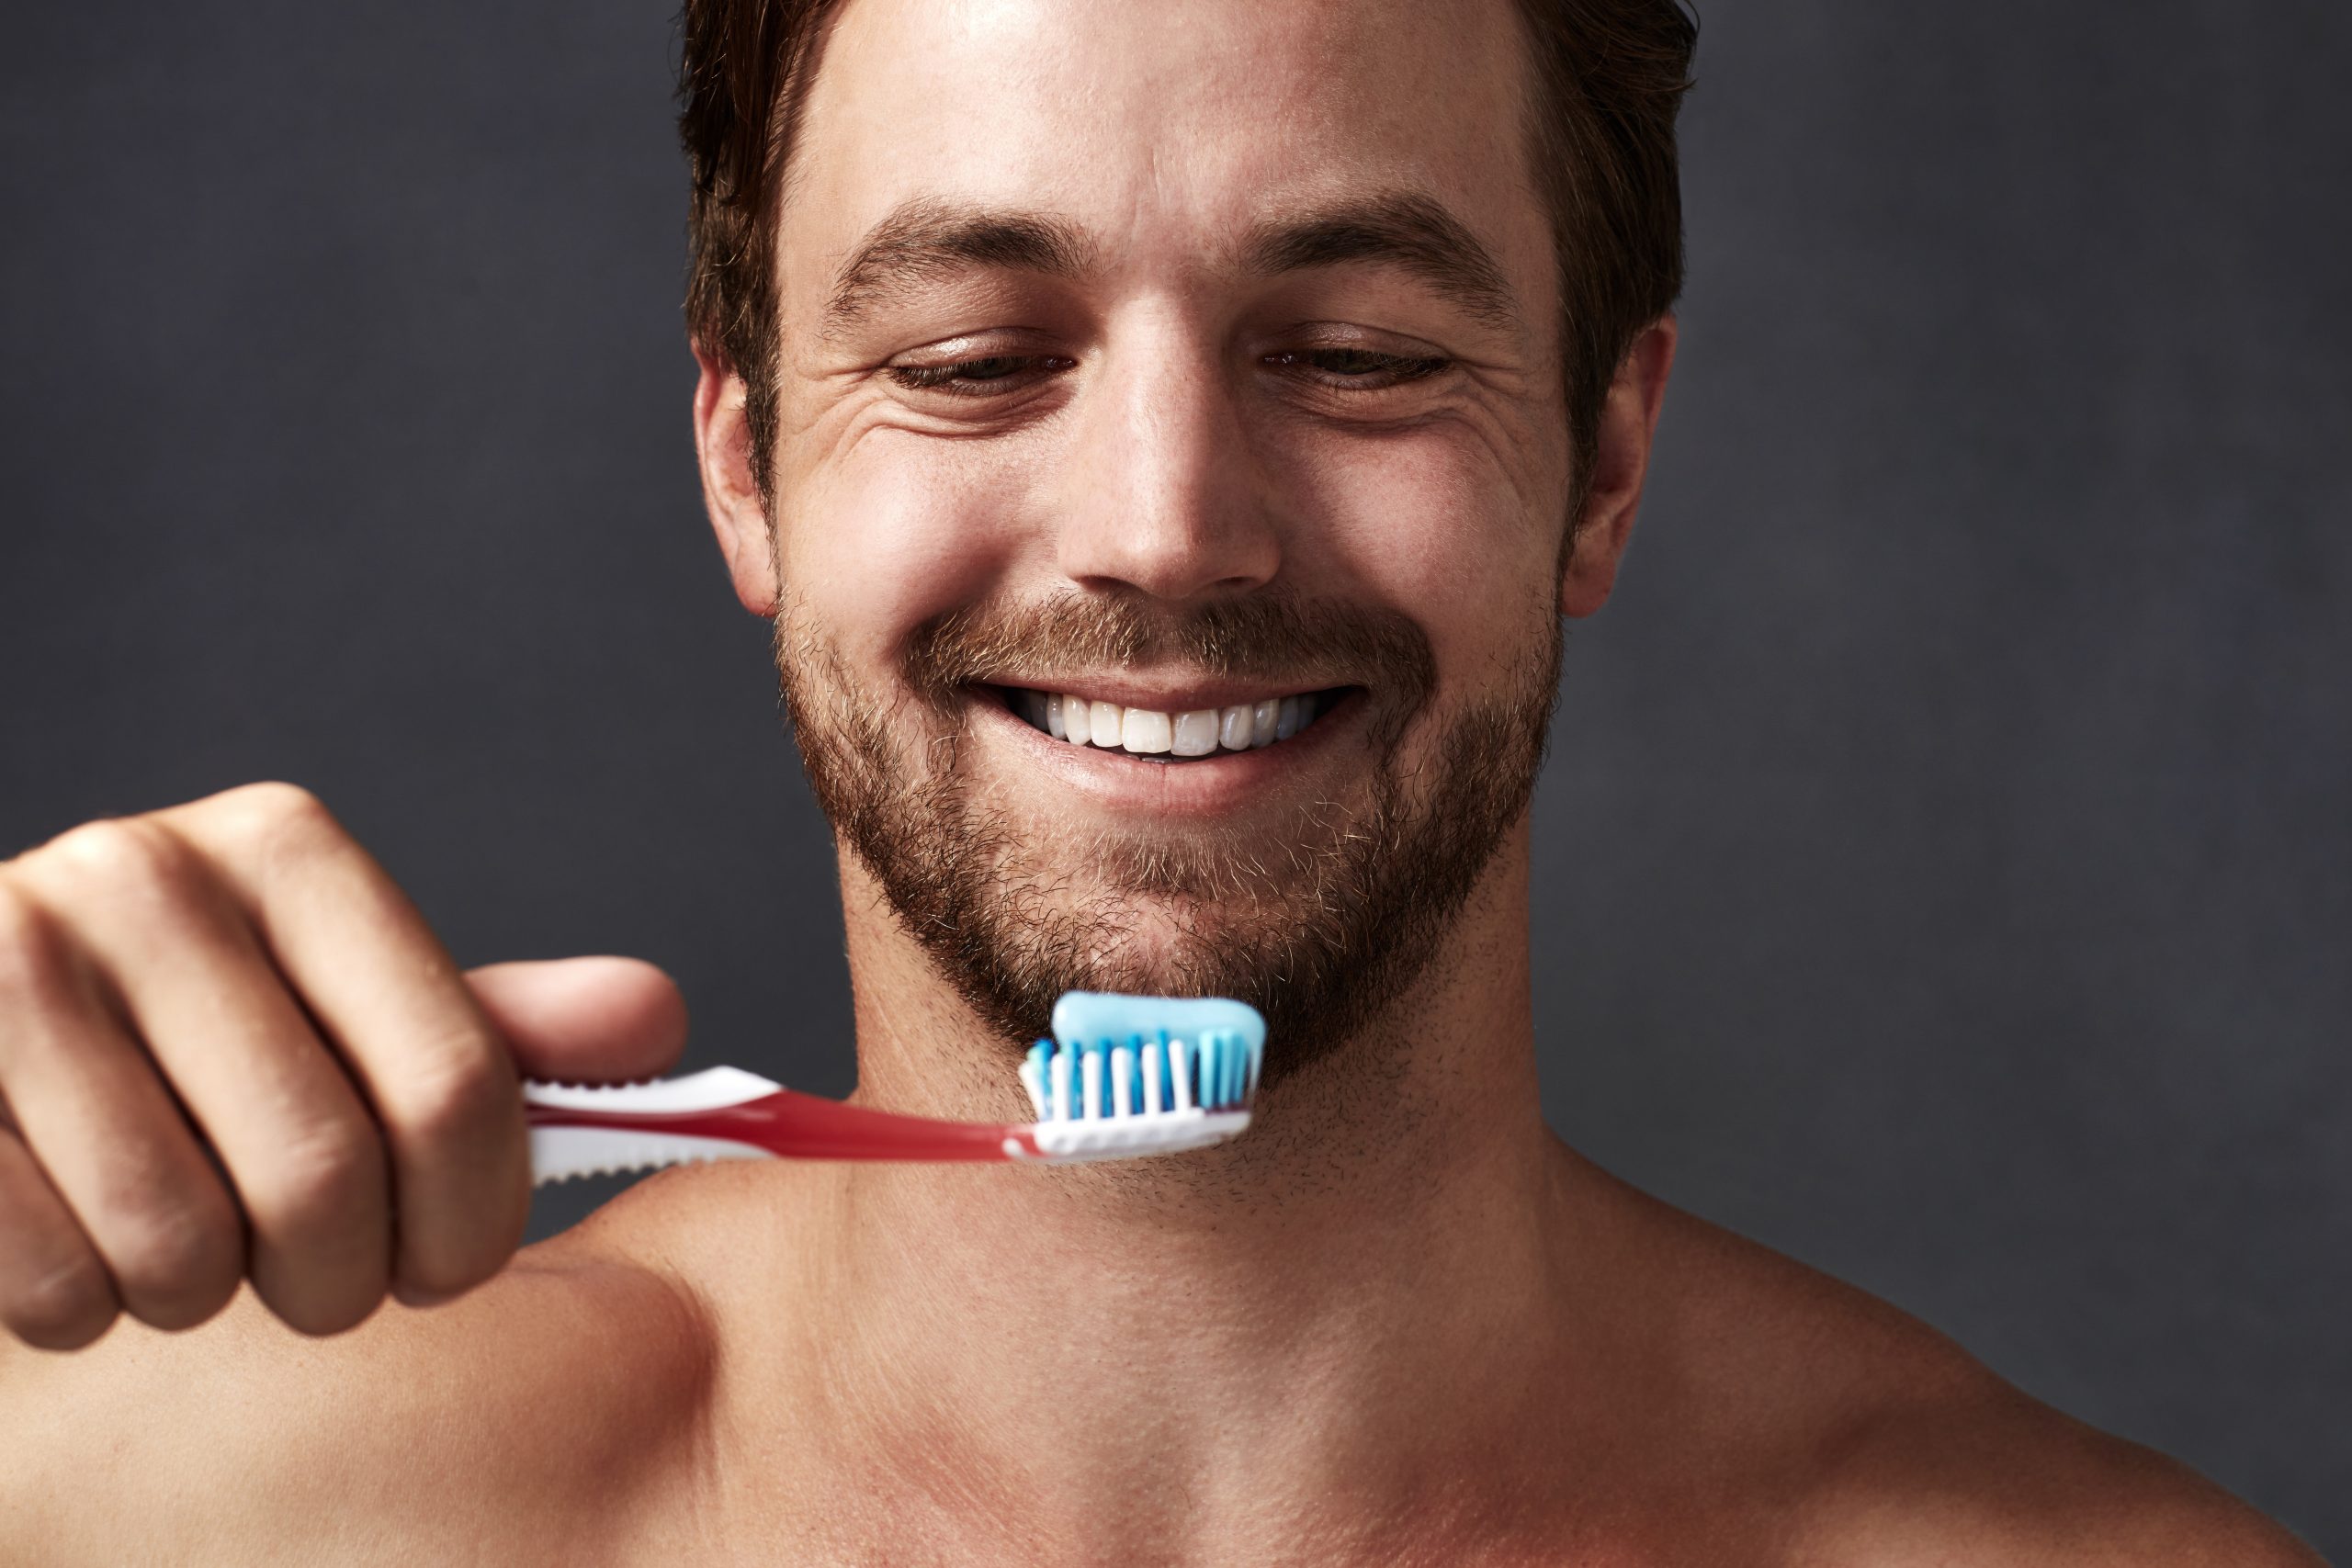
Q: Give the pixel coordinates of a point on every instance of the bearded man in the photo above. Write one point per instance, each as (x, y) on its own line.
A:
(1166, 440)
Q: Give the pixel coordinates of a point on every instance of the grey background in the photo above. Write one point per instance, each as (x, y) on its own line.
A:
(1943, 868)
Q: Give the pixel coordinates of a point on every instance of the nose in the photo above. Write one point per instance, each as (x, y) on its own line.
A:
(1161, 493)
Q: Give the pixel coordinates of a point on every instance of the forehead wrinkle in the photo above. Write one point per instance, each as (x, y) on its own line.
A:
(1404, 229)
(926, 238)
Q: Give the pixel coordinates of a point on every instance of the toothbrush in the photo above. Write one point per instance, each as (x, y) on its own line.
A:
(1123, 1077)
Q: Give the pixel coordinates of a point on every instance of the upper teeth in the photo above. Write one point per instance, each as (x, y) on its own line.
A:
(1146, 732)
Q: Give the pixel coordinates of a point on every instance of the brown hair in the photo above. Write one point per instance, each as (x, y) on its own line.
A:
(1609, 78)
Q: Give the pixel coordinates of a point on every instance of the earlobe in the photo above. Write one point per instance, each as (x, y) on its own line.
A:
(1621, 461)
(730, 490)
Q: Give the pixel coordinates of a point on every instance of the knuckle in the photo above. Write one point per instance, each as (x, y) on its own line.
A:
(269, 798)
(460, 1095)
(175, 1264)
(118, 854)
(271, 818)
(61, 1306)
(321, 1181)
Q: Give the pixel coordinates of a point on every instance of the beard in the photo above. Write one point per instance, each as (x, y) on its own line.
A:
(1321, 931)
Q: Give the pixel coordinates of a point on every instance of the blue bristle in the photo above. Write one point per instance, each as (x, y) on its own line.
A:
(1041, 1056)
(1226, 1053)
(1220, 1037)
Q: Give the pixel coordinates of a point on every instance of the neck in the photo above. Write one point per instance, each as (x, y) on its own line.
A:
(1300, 1322)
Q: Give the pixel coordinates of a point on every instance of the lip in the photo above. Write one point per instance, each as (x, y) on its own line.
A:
(1195, 696)
(1216, 785)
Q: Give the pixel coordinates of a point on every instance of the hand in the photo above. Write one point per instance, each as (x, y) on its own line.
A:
(230, 1048)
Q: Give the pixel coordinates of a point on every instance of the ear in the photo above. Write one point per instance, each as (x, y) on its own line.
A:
(730, 491)
(1620, 459)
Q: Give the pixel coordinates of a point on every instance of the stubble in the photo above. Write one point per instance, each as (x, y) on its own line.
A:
(1320, 925)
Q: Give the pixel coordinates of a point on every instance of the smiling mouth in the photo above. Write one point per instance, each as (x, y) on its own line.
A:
(1157, 737)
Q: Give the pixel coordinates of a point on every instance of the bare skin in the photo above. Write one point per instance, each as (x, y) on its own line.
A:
(1398, 1323)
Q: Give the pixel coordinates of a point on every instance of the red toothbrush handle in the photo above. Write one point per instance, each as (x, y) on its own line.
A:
(811, 1127)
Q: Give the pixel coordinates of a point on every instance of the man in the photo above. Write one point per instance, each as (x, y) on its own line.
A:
(1175, 358)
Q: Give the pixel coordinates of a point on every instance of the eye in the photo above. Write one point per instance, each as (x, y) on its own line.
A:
(992, 375)
(1358, 368)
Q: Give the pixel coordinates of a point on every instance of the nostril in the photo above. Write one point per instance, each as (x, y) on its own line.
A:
(1176, 561)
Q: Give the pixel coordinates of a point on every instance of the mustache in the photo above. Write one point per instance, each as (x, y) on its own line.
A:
(1269, 636)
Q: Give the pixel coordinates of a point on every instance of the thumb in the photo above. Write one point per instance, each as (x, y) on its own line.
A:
(585, 1020)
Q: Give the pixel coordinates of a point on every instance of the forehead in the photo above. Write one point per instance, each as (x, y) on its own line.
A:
(1161, 123)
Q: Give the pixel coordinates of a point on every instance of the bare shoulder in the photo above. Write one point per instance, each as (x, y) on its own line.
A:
(1862, 1436)
(545, 1400)
(2001, 1479)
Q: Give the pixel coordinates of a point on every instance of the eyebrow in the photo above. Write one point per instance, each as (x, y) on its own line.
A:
(931, 237)
(1403, 229)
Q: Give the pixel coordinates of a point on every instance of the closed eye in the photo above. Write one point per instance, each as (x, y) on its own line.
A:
(988, 376)
(1358, 368)
(1342, 369)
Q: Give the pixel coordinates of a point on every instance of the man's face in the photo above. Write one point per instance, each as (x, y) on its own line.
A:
(1177, 357)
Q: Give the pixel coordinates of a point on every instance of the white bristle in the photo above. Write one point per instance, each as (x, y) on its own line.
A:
(1061, 1085)
(1123, 1080)
(1153, 1073)
(1093, 1069)
(1180, 1074)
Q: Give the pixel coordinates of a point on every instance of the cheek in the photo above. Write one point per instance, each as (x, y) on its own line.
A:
(1429, 523)
(894, 532)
